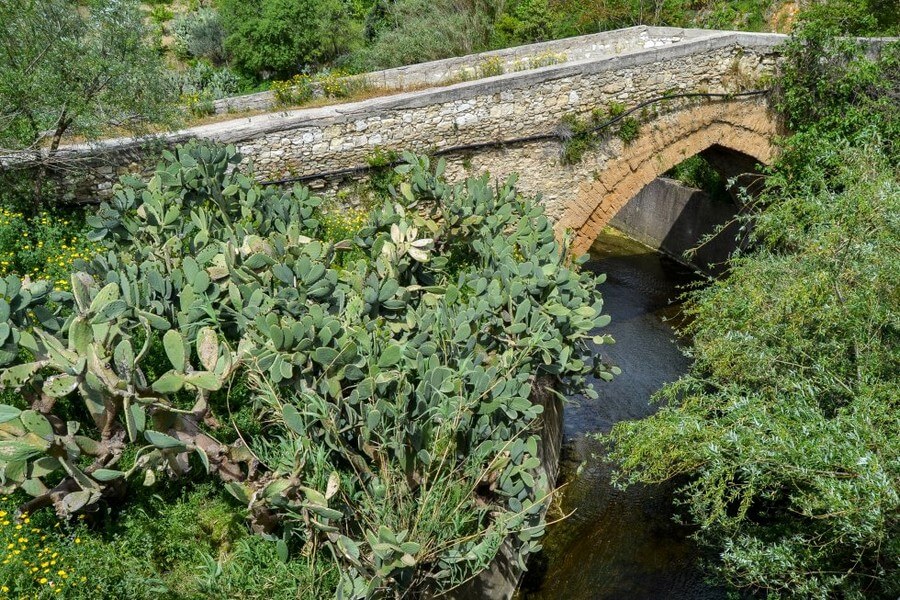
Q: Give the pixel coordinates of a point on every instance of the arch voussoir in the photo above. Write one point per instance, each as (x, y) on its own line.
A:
(745, 126)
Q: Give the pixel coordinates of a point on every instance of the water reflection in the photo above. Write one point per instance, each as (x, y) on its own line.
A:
(622, 545)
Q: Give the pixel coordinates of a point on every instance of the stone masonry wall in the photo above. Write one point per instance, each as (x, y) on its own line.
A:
(504, 107)
(305, 143)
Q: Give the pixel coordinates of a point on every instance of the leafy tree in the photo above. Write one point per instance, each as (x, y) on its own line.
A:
(853, 17)
(786, 428)
(284, 37)
(525, 22)
(74, 71)
(575, 17)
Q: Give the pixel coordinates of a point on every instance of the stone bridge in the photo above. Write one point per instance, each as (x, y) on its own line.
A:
(511, 121)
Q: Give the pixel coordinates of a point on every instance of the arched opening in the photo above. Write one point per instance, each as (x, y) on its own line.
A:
(690, 212)
(732, 138)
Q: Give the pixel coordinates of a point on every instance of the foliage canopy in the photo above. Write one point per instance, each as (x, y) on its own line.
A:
(285, 37)
(75, 71)
(786, 427)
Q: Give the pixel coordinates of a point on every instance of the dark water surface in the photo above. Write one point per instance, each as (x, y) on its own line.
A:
(622, 544)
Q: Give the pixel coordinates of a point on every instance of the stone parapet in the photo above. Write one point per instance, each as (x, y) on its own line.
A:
(508, 60)
(303, 143)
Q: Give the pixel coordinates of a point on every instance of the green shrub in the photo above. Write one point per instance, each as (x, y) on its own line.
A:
(491, 67)
(412, 31)
(785, 432)
(539, 61)
(524, 22)
(202, 84)
(199, 104)
(744, 15)
(200, 35)
(828, 84)
(629, 129)
(298, 90)
(160, 14)
(581, 135)
(330, 83)
(853, 17)
(696, 172)
(391, 396)
(285, 37)
(43, 246)
(383, 179)
(336, 83)
(787, 423)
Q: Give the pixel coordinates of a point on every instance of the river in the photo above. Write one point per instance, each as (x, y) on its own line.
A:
(622, 544)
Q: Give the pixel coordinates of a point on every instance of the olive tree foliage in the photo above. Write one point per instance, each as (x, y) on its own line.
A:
(78, 70)
(392, 373)
(787, 427)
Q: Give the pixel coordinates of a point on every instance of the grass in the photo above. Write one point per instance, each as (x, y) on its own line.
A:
(177, 542)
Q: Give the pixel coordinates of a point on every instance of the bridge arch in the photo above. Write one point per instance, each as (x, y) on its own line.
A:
(740, 129)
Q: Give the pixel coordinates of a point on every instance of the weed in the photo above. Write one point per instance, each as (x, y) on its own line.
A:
(629, 129)
(492, 67)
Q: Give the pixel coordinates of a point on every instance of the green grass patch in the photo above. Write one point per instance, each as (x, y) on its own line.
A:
(176, 541)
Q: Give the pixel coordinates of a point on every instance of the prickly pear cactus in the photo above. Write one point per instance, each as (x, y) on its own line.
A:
(394, 390)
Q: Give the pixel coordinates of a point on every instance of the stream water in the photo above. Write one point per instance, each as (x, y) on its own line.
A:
(622, 544)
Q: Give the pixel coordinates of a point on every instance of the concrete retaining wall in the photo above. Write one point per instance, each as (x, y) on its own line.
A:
(672, 217)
